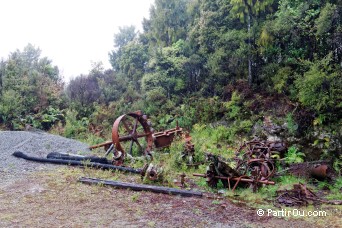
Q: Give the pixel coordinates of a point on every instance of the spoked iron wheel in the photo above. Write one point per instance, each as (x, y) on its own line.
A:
(256, 167)
(131, 134)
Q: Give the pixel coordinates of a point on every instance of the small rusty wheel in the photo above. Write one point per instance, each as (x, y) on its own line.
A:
(131, 134)
(256, 167)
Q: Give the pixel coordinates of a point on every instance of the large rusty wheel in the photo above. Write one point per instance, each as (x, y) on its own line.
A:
(131, 134)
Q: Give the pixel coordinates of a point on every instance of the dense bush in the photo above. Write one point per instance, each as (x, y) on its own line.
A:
(30, 86)
(320, 88)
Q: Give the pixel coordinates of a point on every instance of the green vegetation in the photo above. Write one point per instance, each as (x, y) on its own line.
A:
(294, 156)
(219, 68)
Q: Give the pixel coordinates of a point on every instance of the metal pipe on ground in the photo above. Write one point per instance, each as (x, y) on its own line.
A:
(141, 187)
(96, 165)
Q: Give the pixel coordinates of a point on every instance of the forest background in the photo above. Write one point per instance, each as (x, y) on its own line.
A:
(218, 66)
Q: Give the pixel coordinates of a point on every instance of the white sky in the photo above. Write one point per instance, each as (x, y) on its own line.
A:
(72, 33)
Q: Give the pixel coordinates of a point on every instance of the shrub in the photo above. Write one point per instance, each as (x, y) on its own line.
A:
(321, 86)
(294, 156)
(75, 128)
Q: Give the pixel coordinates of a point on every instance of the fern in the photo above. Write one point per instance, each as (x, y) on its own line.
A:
(294, 156)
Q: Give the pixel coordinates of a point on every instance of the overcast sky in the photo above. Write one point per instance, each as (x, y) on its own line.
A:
(72, 33)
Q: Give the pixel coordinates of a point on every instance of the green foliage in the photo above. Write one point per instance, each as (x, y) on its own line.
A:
(168, 22)
(338, 165)
(29, 86)
(325, 20)
(189, 116)
(234, 106)
(179, 68)
(156, 96)
(319, 120)
(292, 126)
(282, 79)
(293, 155)
(165, 121)
(336, 190)
(75, 128)
(320, 88)
(50, 117)
(244, 9)
(237, 110)
(10, 106)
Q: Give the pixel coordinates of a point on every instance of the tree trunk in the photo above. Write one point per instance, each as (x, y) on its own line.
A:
(250, 76)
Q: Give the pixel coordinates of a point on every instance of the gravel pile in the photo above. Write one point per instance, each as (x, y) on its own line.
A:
(32, 143)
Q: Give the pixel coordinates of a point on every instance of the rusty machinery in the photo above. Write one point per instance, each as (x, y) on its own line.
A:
(133, 135)
(254, 166)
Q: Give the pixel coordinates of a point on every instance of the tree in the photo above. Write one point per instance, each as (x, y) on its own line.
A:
(168, 22)
(218, 41)
(84, 90)
(247, 10)
(320, 88)
(132, 62)
(126, 34)
(130, 55)
(2, 73)
(29, 85)
(328, 31)
(172, 69)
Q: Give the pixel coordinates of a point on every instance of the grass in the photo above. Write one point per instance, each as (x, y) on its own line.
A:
(335, 190)
(173, 165)
(135, 197)
(213, 140)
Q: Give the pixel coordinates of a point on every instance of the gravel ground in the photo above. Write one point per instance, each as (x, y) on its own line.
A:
(33, 143)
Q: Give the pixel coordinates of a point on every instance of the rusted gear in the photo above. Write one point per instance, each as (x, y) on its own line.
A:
(131, 133)
(257, 167)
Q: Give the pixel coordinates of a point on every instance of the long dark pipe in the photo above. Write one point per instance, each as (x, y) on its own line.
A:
(141, 187)
(20, 154)
(62, 156)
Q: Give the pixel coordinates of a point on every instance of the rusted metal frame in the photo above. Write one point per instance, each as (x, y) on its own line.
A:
(164, 138)
(107, 143)
(241, 178)
(263, 163)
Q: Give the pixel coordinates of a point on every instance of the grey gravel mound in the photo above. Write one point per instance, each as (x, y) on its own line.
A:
(32, 143)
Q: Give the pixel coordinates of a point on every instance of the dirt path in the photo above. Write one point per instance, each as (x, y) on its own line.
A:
(55, 198)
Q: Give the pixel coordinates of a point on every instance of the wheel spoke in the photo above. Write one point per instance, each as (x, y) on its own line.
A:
(135, 126)
(126, 126)
(140, 147)
(132, 133)
(143, 135)
(130, 147)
